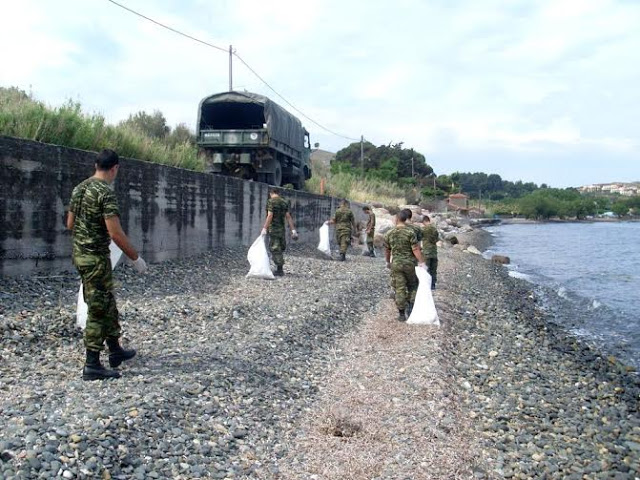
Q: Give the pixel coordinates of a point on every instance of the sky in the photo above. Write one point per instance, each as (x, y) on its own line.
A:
(543, 91)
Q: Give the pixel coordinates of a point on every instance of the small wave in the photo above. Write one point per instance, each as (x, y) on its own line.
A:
(517, 274)
(595, 304)
(562, 293)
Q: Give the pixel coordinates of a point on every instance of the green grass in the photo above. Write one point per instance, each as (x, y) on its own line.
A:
(24, 117)
(346, 185)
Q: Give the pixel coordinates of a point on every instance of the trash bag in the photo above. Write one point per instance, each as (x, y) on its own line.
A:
(424, 310)
(82, 310)
(324, 245)
(363, 243)
(259, 260)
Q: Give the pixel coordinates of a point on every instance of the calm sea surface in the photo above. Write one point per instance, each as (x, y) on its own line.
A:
(588, 275)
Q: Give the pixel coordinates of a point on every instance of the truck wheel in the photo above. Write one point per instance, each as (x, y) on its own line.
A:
(275, 178)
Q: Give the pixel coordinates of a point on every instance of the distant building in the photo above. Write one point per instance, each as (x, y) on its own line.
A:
(626, 189)
(458, 202)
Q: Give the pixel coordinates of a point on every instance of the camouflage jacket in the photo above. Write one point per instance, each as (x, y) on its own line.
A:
(344, 219)
(279, 207)
(400, 242)
(429, 240)
(92, 201)
(417, 230)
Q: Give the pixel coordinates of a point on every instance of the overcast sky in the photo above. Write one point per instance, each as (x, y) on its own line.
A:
(542, 90)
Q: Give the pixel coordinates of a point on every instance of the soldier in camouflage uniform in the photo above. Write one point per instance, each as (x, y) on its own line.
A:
(277, 213)
(370, 230)
(94, 220)
(345, 224)
(402, 250)
(430, 249)
(416, 228)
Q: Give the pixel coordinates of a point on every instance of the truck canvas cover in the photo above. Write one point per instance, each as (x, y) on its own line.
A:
(246, 111)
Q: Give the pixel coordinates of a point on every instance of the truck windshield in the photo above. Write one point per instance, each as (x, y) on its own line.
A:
(231, 116)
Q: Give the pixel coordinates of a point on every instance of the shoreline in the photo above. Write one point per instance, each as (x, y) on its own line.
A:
(518, 221)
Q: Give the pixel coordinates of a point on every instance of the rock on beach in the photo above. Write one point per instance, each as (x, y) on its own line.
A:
(240, 378)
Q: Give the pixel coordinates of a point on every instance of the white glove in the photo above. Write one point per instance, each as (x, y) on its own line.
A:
(263, 232)
(294, 234)
(140, 265)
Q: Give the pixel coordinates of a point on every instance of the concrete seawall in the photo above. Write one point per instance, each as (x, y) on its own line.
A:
(167, 212)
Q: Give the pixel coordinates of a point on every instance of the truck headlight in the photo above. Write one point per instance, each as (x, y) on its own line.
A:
(253, 136)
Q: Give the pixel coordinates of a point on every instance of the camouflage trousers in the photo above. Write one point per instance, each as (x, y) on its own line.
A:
(97, 287)
(343, 239)
(370, 240)
(277, 246)
(405, 283)
(432, 268)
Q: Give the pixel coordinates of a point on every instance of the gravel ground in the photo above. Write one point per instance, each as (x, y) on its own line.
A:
(309, 376)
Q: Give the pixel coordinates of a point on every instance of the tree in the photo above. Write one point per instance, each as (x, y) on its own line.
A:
(154, 125)
(389, 158)
(181, 134)
(620, 208)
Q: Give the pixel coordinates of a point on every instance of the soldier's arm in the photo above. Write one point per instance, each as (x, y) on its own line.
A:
(289, 220)
(417, 253)
(119, 237)
(268, 221)
(71, 218)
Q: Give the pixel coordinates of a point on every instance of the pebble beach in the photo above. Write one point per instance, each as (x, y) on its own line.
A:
(310, 376)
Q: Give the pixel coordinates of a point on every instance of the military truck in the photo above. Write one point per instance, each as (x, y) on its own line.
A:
(249, 136)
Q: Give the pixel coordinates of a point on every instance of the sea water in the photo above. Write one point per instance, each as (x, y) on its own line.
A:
(587, 275)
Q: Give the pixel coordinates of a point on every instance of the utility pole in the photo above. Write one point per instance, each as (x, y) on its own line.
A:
(231, 68)
(412, 174)
(362, 153)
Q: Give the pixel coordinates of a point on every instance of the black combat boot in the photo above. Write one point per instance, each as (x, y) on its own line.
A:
(409, 309)
(117, 354)
(372, 252)
(433, 285)
(93, 369)
(343, 257)
(279, 271)
(401, 316)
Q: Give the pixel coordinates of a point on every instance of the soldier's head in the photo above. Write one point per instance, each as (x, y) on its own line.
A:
(274, 192)
(426, 219)
(366, 209)
(107, 164)
(402, 216)
(344, 203)
(408, 213)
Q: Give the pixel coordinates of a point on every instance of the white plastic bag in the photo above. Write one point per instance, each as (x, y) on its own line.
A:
(363, 242)
(82, 309)
(259, 260)
(324, 245)
(424, 310)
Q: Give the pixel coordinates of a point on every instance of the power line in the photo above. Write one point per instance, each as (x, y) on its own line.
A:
(289, 103)
(167, 27)
(190, 37)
